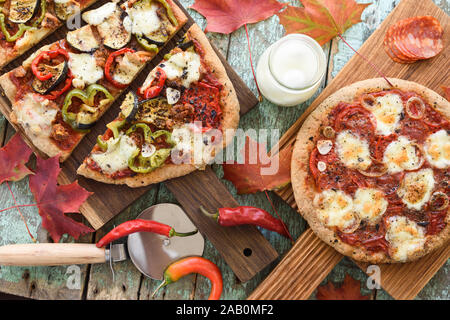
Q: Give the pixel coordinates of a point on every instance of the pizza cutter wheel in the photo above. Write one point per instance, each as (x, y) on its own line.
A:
(150, 253)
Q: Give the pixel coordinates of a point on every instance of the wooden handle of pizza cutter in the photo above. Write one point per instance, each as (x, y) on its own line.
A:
(50, 254)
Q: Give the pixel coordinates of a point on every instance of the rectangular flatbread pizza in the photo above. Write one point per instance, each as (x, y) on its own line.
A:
(183, 114)
(60, 91)
(23, 23)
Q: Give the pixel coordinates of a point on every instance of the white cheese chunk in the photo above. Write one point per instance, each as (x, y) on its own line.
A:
(387, 111)
(84, 67)
(116, 157)
(405, 237)
(173, 95)
(370, 204)
(353, 151)
(183, 65)
(416, 188)
(97, 16)
(437, 149)
(401, 154)
(144, 17)
(34, 116)
(335, 209)
(127, 69)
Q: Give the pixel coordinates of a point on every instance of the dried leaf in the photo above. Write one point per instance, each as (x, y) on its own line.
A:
(249, 178)
(54, 201)
(13, 157)
(322, 19)
(228, 16)
(350, 289)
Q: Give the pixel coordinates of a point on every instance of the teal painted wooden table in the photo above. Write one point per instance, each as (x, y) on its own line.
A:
(95, 281)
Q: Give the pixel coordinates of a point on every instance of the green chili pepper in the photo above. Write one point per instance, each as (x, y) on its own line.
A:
(147, 46)
(148, 164)
(102, 144)
(17, 35)
(43, 11)
(145, 128)
(115, 126)
(169, 11)
(166, 133)
(87, 97)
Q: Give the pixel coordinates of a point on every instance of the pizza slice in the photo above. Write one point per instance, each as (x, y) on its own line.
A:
(23, 23)
(60, 91)
(184, 113)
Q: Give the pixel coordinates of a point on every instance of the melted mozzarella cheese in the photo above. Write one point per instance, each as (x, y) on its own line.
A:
(34, 116)
(416, 188)
(84, 67)
(437, 149)
(370, 204)
(116, 157)
(335, 209)
(144, 17)
(400, 155)
(127, 69)
(353, 151)
(183, 66)
(97, 16)
(387, 111)
(405, 236)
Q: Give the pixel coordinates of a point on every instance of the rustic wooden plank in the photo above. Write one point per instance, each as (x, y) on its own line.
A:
(308, 261)
(204, 188)
(427, 73)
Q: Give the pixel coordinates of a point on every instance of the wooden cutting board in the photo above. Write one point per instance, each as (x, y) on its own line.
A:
(311, 260)
(109, 200)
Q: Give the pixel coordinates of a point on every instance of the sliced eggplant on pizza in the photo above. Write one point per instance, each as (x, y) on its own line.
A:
(75, 80)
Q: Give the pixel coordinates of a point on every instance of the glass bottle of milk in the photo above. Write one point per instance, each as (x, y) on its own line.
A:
(290, 71)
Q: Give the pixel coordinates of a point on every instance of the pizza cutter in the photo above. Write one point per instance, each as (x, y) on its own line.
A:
(150, 253)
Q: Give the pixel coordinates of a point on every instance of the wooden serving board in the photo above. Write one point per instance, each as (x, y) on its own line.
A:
(109, 200)
(311, 260)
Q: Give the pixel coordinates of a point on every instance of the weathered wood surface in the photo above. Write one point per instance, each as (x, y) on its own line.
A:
(96, 281)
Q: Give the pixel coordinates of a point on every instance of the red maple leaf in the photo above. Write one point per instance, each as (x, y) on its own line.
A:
(228, 16)
(54, 200)
(13, 157)
(322, 19)
(250, 176)
(350, 289)
(446, 92)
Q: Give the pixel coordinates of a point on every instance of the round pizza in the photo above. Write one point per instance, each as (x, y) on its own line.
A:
(370, 170)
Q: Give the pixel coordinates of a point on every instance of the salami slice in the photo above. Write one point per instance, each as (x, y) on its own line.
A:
(413, 39)
(423, 37)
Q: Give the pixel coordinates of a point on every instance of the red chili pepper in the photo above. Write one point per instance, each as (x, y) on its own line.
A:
(51, 54)
(185, 266)
(140, 225)
(109, 62)
(228, 217)
(56, 93)
(154, 90)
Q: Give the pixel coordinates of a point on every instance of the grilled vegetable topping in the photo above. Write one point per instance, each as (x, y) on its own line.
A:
(21, 11)
(58, 74)
(83, 39)
(130, 106)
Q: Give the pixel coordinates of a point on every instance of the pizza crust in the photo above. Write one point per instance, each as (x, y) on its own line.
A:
(230, 109)
(305, 142)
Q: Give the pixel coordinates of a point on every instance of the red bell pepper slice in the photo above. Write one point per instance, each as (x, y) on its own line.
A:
(50, 54)
(110, 61)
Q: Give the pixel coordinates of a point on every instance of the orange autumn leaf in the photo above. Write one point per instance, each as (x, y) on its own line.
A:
(350, 289)
(253, 176)
(322, 19)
